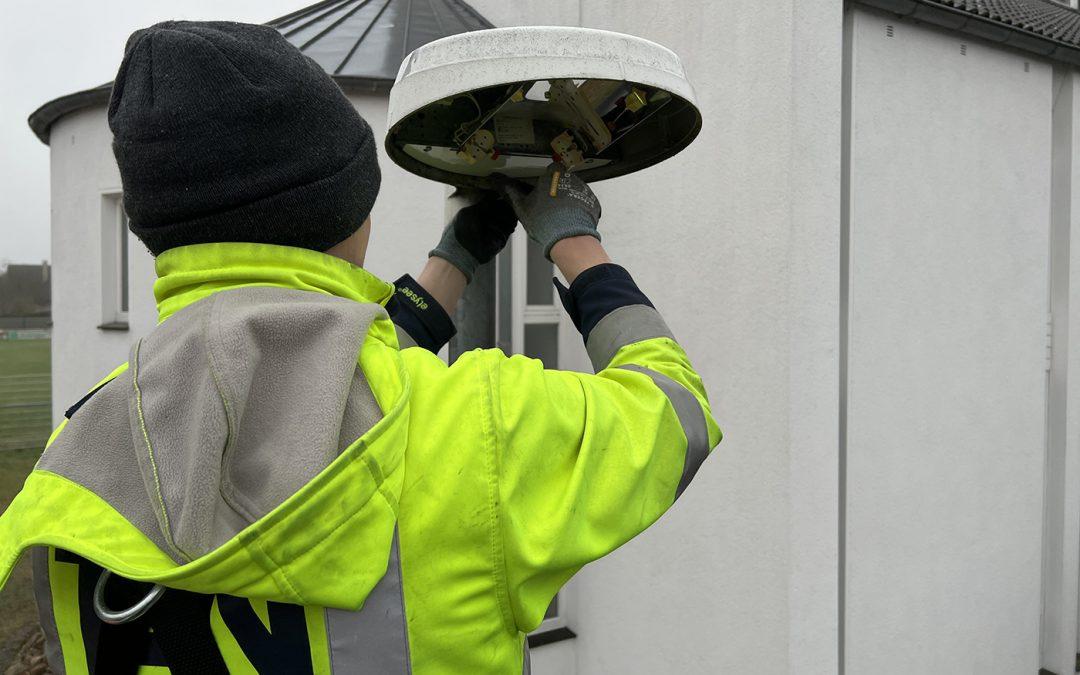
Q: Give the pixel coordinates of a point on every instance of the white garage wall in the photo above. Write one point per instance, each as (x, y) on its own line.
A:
(950, 176)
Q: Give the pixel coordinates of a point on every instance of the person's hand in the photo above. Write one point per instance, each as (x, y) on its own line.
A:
(560, 206)
(481, 224)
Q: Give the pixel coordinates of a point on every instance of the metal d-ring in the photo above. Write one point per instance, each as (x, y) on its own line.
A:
(125, 615)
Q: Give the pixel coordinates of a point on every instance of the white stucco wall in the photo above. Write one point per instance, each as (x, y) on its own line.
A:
(950, 185)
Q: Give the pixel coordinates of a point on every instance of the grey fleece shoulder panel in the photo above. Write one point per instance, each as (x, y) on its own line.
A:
(226, 410)
(246, 396)
(96, 450)
(288, 405)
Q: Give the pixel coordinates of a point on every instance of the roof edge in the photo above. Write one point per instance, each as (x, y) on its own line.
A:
(42, 119)
(975, 25)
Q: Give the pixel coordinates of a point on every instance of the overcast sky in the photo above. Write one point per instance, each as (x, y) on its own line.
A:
(52, 48)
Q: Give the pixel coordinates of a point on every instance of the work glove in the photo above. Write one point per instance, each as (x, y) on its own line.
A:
(480, 226)
(561, 205)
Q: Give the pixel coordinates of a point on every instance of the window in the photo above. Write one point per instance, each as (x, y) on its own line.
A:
(529, 320)
(115, 264)
(553, 628)
(536, 325)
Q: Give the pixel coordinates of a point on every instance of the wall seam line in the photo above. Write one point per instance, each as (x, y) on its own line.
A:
(844, 328)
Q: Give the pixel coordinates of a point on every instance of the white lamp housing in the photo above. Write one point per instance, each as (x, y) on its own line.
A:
(512, 100)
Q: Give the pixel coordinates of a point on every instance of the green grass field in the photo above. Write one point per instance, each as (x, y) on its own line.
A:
(24, 428)
(25, 391)
(24, 357)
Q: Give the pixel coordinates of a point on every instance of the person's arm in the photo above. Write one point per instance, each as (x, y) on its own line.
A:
(421, 308)
(574, 255)
(445, 282)
(419, 316)
(587, 462)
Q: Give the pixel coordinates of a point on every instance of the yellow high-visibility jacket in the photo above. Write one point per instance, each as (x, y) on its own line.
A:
(340, 500)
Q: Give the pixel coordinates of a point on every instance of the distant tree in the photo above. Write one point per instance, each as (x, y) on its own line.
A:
(25, 290)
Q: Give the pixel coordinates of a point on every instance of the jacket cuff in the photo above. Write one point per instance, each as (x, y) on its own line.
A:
(597, 292)
(416, 314)
(610, 311)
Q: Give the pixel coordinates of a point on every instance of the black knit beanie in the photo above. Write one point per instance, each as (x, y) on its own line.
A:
(226, 132)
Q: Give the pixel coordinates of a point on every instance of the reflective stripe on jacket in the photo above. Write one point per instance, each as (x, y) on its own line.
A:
(346, 501)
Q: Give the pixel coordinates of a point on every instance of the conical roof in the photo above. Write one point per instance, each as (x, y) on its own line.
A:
(368, 39)
(360, 42)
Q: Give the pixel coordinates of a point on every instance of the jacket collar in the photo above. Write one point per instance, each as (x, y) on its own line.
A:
(190, 273)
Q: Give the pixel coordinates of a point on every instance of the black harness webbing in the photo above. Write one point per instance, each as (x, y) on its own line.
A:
(174, 632)
(181, 624)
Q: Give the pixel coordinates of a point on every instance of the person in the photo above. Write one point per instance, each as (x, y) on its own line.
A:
(284, 477)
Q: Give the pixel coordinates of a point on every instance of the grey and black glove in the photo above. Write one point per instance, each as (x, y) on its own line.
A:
(480, 227)
(560, 206)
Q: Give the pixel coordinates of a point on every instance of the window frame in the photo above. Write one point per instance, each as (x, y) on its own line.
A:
(116, 263)
(522, 313)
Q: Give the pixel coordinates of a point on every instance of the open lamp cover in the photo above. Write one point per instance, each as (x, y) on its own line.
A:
(512, 100)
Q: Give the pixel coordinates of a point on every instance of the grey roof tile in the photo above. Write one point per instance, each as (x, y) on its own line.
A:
(1047, 18)
(368, 39)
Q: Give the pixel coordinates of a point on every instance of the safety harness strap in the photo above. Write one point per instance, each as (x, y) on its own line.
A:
(175, 632)
(181, 625)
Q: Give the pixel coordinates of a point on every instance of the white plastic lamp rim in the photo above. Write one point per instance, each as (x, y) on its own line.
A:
(458, 64)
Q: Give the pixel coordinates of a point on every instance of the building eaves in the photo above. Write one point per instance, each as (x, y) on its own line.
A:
(360, 43)
(1043, 27)
(42, 119)
(1052, 20)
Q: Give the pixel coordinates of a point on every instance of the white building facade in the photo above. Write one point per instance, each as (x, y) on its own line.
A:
(870, 253)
